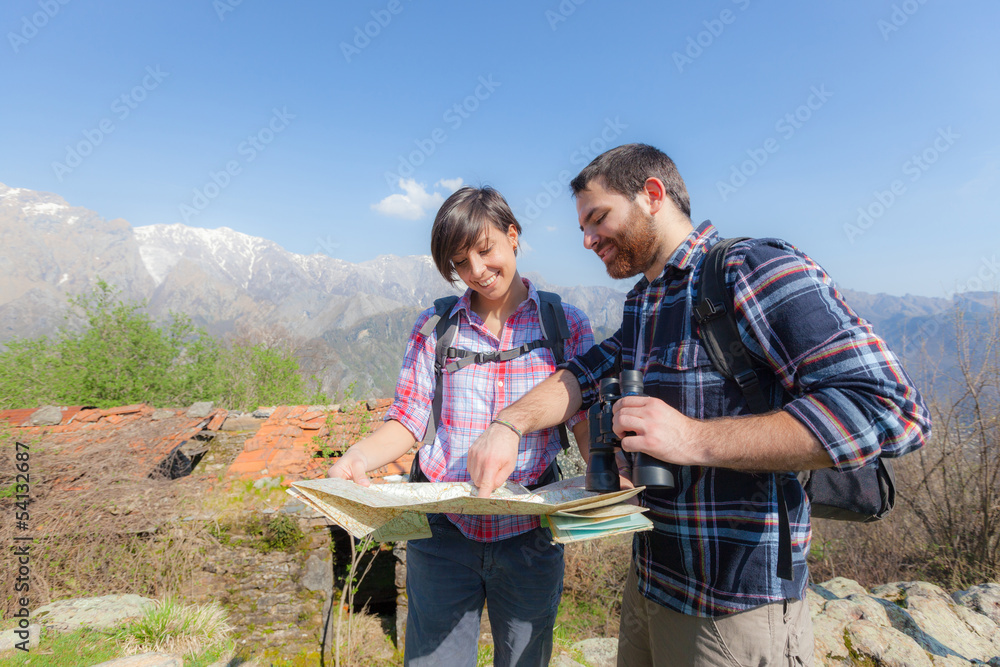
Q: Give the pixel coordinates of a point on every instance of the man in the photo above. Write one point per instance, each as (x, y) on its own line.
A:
(704, 586)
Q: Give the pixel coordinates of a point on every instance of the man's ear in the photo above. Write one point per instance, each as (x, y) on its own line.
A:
(656, 193)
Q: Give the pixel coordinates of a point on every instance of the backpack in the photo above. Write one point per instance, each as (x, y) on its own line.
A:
(865, 494)
(555, 331)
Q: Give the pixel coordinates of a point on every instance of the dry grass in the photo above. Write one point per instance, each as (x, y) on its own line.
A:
(369, 644)
(592, 587)
(98, 523)
(170, 627)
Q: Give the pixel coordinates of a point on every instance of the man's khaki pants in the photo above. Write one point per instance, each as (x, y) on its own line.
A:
(774, 634)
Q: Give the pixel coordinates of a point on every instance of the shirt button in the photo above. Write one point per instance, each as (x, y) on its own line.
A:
(500, 384)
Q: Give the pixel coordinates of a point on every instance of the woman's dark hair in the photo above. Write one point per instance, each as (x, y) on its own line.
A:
(462, 219)
(626, 168)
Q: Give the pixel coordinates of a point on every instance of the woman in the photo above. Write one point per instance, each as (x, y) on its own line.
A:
(508, 561)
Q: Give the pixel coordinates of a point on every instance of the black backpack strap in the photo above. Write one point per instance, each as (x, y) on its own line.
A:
(445, 326)
(555, 331)
(447, 358)
(720, 334)
(719, 331)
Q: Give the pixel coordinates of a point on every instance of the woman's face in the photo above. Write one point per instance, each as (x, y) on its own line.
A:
(489, 266)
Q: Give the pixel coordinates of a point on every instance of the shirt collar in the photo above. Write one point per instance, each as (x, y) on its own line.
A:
(685, 256)
(465, 302)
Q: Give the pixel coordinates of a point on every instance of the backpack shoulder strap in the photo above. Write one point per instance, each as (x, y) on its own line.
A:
(555, 329)
(719, 331)
(446, 327)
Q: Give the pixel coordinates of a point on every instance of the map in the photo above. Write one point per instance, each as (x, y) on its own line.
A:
(393, 512)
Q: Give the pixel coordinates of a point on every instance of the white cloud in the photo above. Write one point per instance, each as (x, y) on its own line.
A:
(451, 184)
(416, 202)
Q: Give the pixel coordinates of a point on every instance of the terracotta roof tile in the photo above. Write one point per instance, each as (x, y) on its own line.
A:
(218, 418)
(287, 442)
(146, 446)
(123, 410)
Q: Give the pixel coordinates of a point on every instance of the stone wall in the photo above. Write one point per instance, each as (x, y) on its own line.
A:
(275, 600)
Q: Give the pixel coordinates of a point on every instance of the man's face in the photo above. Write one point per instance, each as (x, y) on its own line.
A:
(617, 229)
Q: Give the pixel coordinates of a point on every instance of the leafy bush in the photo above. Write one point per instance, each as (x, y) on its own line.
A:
(123, 356)
(281, 533)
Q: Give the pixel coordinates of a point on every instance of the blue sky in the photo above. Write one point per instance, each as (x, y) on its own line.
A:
(864, 132)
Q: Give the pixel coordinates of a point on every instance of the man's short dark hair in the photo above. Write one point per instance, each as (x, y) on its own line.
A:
(462, 219)
(626, 168)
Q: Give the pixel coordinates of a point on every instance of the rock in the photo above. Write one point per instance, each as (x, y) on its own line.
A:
(263, 413)
(200, 410)
(99, 613)
(598, 652)
(49, 415)
(903, 623)
(886, 647)
(163, 414)
(263, 482)
(838, 587)
(945, 627)
(984, 599)
(563, 660)
(318, 575)
(145, 660)
(241, 423)
(9, 639)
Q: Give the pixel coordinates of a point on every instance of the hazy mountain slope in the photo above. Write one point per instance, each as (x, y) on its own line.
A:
(348, 321)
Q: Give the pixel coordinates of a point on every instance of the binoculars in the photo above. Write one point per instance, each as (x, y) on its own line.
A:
(602, 469)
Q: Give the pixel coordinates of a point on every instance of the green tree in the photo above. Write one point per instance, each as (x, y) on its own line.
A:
(121, 356)
(256, 374)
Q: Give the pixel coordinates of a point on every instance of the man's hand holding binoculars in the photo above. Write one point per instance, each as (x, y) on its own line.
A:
(646, 424)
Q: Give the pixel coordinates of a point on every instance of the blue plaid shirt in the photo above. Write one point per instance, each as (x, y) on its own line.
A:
(714, 547)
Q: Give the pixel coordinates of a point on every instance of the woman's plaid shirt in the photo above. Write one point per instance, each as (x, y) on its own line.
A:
(714, 548)
(474, 395)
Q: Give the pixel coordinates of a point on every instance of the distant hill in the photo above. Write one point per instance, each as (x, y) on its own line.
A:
(347, 322)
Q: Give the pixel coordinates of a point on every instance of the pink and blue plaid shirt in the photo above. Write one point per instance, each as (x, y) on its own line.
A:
(474, 395)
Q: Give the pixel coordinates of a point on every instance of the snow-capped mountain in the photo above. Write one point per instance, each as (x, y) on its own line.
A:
(347, 315)
(224, 280)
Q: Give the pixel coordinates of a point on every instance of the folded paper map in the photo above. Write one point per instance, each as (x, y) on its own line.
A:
(392, 512)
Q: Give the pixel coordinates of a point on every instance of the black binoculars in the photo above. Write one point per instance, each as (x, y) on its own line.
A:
(602, 469)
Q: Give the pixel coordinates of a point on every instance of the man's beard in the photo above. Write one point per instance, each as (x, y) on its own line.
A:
(636, 246)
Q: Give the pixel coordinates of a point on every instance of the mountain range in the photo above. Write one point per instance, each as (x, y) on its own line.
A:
(348, 323)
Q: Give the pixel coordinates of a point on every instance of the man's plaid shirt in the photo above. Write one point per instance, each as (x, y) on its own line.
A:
(474, 395)
(714, 547)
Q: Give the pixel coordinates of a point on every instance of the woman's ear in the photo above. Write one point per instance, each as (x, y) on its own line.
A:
(512, 235)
